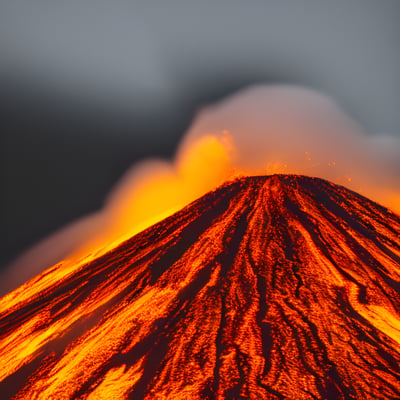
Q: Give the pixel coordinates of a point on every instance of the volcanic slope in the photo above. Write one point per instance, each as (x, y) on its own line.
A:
(278, 287)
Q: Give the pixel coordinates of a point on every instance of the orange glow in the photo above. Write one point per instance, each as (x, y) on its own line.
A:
(204, 165)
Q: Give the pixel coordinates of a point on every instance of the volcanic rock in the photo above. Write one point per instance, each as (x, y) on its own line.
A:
(278, 287)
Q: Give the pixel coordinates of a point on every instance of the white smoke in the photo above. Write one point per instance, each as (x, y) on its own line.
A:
(308, 134)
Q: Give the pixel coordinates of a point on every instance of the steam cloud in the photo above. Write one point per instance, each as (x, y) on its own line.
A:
(258, 131)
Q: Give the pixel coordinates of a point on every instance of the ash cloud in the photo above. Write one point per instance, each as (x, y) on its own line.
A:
(258, 131)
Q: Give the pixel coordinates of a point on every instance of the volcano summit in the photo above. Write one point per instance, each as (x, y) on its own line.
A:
(278, 287)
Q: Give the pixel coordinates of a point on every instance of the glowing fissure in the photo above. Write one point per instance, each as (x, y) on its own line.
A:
(266, 288)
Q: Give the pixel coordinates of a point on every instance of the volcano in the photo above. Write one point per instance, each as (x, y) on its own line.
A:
(270, 287)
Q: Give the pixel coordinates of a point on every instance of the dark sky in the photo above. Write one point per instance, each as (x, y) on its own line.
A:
(89, 87)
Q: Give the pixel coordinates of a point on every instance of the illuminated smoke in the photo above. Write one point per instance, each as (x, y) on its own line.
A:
(287, 129)
(258, 131)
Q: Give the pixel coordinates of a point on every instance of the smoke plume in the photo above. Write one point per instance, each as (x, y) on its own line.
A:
(260, 130)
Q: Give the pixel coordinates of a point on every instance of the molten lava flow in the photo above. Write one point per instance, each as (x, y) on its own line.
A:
(266, 288)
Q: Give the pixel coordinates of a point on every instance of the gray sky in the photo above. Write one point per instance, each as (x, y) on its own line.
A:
(116, 51)
(90, 87)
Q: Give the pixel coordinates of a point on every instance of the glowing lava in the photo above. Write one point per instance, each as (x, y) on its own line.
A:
(279, 287)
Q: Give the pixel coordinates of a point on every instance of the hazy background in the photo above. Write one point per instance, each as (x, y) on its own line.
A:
(89, 87)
